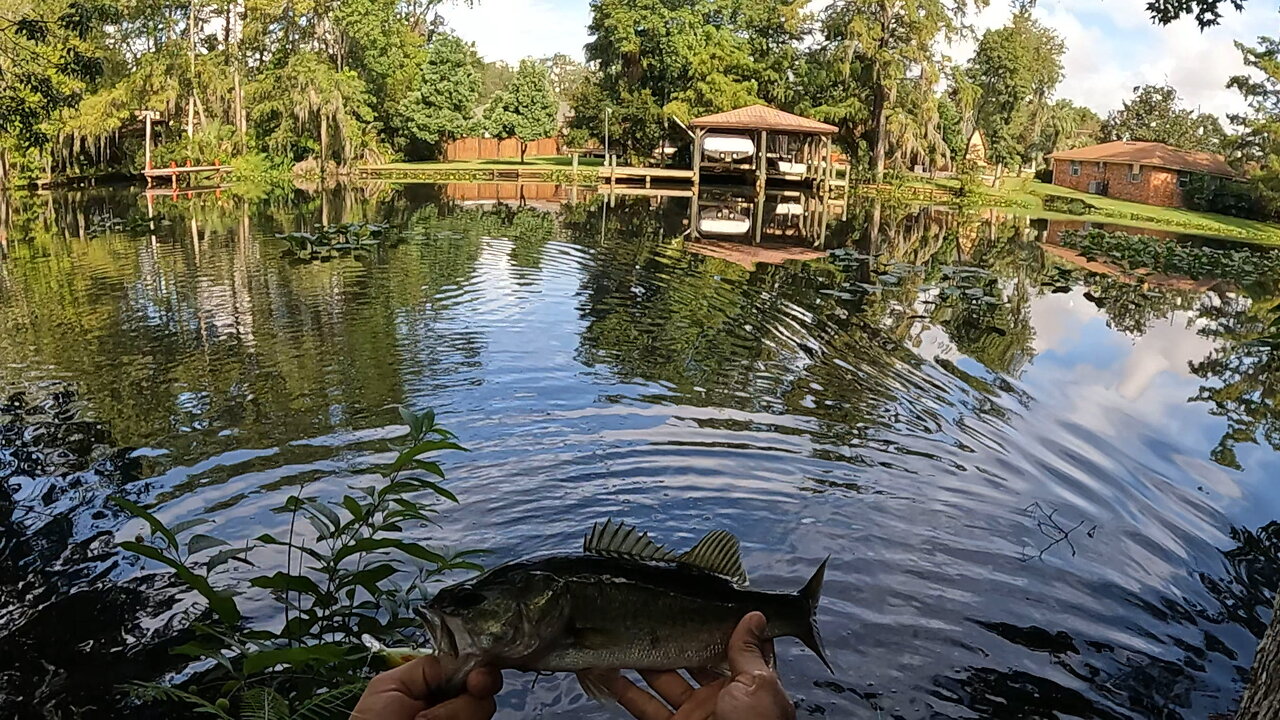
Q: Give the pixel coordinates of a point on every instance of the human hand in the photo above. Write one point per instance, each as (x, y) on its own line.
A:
(752, 692)
(405, 693)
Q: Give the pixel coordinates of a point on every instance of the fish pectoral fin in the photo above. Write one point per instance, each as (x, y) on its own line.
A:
(721, 669)
(597, 683)
(719, 553)
(618, 539)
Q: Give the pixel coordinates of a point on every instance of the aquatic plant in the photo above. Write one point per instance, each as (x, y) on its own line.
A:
(1142, 253)
(348, 585)
(331, 241)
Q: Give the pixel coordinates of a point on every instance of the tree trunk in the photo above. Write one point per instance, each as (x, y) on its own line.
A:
(324, 141)
(879, 141)
(1262, 698)
(524, 147)
(241, 125)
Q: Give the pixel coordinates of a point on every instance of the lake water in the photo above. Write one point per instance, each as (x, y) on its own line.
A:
(933, 403)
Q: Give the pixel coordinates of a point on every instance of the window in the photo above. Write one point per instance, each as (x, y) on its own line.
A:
(1135, 173)
(1075, 168)
(1184, 180)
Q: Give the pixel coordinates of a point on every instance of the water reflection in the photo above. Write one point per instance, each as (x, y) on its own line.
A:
(895, 394)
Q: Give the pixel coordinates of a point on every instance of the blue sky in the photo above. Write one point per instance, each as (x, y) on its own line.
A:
(1112, 45)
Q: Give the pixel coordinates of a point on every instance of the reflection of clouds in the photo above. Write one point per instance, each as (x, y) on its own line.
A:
(1166, 347)
(1059, 319)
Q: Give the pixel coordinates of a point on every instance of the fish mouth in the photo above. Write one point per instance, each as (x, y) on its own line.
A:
(447, 633)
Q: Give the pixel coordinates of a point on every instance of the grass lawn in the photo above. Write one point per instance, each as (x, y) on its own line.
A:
(1030, 191)
(560, 161)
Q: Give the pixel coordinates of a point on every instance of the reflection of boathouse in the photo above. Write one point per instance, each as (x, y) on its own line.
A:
(771, 227)
(760, 146)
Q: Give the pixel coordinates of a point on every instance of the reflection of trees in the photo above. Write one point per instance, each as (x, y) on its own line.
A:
(210, 306)
(68, 630)
(1243, 372)
(717, 333)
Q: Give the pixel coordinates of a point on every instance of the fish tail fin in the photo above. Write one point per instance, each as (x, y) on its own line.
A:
(811, 594)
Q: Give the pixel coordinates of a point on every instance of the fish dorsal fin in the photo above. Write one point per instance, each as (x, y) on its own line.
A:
(617, 539)
(718, 552)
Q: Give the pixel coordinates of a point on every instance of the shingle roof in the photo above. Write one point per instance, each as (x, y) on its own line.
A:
(1150, 153)
(763, 117)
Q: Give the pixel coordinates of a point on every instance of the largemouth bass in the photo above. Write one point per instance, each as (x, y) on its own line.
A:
(624, 603)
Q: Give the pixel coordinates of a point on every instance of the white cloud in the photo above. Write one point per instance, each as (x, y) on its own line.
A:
(1112, 46)
(513, 29)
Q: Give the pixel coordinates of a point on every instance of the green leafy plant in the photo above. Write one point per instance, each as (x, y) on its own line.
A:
(355, 575)
(1142, 254)
(333, 241)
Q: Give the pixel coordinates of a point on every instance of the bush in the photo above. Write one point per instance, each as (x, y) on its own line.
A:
(1227, 197)
(350, 582)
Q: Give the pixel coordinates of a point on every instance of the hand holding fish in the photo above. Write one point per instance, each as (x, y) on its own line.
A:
(409, 692)
(752, 692)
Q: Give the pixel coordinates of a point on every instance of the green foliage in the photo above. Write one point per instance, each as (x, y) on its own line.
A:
(657, 60)
(333, 241)
(1207, 193)
(1207, 12)
(47, 59)
(876, 48)
(1155, 114)
(1017, 68)
(441, 107)
(352, 571)
(1137, 253)
(525, 109)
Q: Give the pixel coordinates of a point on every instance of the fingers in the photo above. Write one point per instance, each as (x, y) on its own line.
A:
(415, 679)
(484, 682)
(701, 705)
(747, 645)
(703, 676)
(466, 707)
(639, 703)
(670, 686)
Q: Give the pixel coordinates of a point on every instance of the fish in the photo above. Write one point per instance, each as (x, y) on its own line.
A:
(624, 602)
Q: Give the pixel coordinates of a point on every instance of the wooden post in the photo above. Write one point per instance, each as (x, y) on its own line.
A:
(697, 161)
(757, 220)
(762, 164)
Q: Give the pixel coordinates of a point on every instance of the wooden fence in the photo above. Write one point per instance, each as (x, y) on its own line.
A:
(494, 149)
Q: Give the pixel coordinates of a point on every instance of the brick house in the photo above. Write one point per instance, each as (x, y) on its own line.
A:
(1145, 172)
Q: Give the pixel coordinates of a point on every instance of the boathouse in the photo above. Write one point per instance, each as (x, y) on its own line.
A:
(762, 146)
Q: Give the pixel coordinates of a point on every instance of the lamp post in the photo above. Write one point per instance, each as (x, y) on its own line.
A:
(607, 113)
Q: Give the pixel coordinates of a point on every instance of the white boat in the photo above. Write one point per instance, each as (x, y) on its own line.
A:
(727, 148)
(721, 222)
(789, 208)
(792, 170)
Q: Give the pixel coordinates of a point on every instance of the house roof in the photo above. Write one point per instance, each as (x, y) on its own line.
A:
(1153, 154)
(763, 117)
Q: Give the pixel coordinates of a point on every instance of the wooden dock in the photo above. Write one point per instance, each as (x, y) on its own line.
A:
(174, 172)
(584, 176)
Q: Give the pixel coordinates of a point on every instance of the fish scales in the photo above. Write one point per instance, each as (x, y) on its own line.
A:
(626, 602)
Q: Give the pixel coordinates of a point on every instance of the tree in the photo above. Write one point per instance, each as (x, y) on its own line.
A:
(525, 109)
(566, 75)
(1258, 145)
(879, 42)
(46, 62)
(442, 106)
(1017, 68)
(657, 59)
(1155, 114)
(1068, 126)
(1207, 12)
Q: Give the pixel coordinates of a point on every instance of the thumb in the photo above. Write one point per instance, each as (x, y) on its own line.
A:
(746, 646)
